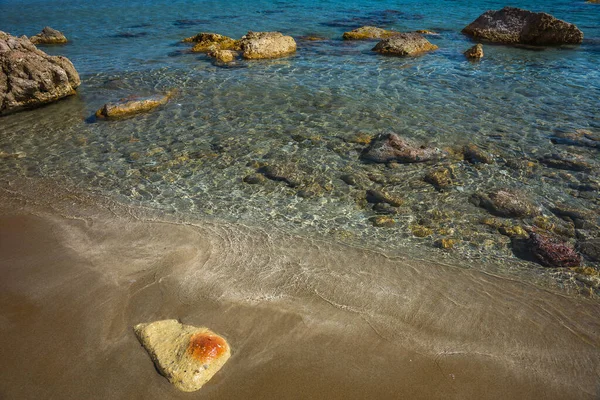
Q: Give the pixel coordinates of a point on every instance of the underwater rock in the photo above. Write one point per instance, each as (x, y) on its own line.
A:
(382, 221)
(258, 45)
(254, 179)
(377, 196)
(131, 105)
(568, 162)
(29, 77)
(581, 137)
(421, 231)
(553, 252)
(440, 178)
(426, 32)
(186, 355)
(475, 52)
(224, 56)
(391, 147)
(445, 243)
(476, 155)
(385, 208)
(206, 42)
(368, 32)
(48, 36)
(404, 44)
(516, 26)
(285, 172)
(507, 203)
(591, 248)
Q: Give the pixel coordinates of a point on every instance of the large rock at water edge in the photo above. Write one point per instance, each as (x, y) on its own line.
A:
(392, 148)
(404, 44)
(257, 45)
(368, 32)
(29, 77)
(186, 355)
(48, 36)
(517, 26)
(132, 105)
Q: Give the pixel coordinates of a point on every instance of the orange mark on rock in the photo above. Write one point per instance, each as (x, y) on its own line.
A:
(204, 347)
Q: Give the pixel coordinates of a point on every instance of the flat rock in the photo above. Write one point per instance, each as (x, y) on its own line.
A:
(186, 355)
(475, 52)
(258, 45)
(29, 77)
(392, 148)
(48, 36)
(404, 44)
(205, 42)
(507, 203)
(368, 32)
(131, 106)
(570, 162)
(517, 26)
(553, 252)
(581, 137)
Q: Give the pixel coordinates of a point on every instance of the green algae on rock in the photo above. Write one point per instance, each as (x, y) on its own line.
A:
(186, 355)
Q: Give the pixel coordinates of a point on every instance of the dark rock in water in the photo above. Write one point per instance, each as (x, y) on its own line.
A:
(516, 26)
(382, 221)
(190, 22)
(476, 155)
(569, 162)
(254, 179)
(580, 137)
(404, 44)
(130, 35)
(131, 106)
(378, 196)
(259, 45)
(29, 77)
(48, 36)
(581, 218)
(287, 173)
(207, 42)
(368, 32)
(475, 52)
(223, 56)
(591, 248)
(391, 147)
(440, 178)
(553, 252)
(385, 208)
(507, 203)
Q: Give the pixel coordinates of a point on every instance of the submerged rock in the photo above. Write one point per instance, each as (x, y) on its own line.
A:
(29, 77)
(581, 137)
(206, 42)
(186, 355)
(507, 203)
(48, 36)
(476, 155)
(368, 32)
(283, 172)
(391, 147)
(516, 26)
(475, 52)
(404, 44)
(565, 161)
(553, 252)
(382, 221)
(131, 105)
(257, 45)
(224, 56)
(591, 248)
(440, 178)
(377, 196)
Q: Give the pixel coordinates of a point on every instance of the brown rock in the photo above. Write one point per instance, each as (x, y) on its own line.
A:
(553, 252)
(475, 52)
(48, 36)
(377, 196)
(476, 155)
(517, 26)
(29, 77)
(186, 355)
(566, 161)
(132, 105)
(391, 147)
(382, 221)
(257, 45)
(224, 56)
(508, 203)
(404, 44)
(440, 178)
(206, 42)
(368, 32)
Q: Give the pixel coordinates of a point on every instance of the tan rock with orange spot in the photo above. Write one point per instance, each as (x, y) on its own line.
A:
(186, 355)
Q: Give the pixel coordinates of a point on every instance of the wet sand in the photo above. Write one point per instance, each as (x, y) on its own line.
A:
(305, 318)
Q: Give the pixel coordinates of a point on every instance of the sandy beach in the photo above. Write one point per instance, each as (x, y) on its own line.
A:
(305, 319)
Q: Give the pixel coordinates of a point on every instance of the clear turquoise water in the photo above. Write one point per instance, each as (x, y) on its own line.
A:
(191, 155)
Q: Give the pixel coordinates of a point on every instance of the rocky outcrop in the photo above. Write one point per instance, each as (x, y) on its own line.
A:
(131, 105)
(507, 203)
(368, 32)
(48, 36)
(257, 45)
(224, 56)
(206, 42)
(475, 52)
(186, 355)
(553, 252)
(29, 77)
(392, 148)
(517, 26)
(404, 44)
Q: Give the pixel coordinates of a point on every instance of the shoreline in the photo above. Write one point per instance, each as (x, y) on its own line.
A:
(80, 275)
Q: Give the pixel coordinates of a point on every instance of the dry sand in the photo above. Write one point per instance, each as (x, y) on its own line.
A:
(305, 318)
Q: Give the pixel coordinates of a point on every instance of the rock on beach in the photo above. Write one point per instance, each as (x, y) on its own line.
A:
(517, 26)
(29, 77)
(186, 355)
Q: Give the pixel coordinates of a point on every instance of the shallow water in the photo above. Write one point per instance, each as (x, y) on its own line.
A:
(305, 111)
